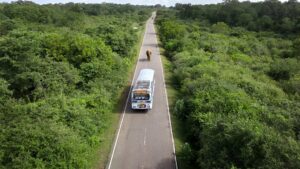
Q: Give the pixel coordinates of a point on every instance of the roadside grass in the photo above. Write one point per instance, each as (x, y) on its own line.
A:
(113, 119)
(177, 125)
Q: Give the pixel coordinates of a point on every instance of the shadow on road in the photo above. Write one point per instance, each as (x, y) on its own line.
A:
(136, 111)
(150, 45)
(166, 164)
(143, 60)
(132, 111)
(151, 33)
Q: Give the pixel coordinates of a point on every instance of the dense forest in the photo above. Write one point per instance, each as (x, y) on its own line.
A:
(270, 15)
(62, 69)
(237, 74)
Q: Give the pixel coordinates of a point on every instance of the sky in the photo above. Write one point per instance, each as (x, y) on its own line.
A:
(135, 2)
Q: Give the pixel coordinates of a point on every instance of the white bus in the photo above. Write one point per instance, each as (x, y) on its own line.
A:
(143, 90)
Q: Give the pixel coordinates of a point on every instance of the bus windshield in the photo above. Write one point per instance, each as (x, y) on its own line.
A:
(141, 96)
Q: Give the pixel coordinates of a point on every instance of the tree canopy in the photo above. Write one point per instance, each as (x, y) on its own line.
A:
(238, 89)
(62, 68)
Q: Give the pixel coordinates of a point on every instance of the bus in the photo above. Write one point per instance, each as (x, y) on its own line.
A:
(143, 90)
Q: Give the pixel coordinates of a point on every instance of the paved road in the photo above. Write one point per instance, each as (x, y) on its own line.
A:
(144, 139)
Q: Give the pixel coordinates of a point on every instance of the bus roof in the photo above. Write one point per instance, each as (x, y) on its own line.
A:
(142, 85)
(146, 75)
(144, 79)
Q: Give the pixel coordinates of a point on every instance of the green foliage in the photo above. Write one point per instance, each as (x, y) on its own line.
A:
(172, 34)
(220, 27)
(284, 69)
(60, 77)
(238, 92)
(6, 26)
(179, 109)
(245, 144)
(261, 16)
(186, 153)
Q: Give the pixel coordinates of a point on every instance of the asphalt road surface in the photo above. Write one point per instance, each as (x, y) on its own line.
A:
(144, 139)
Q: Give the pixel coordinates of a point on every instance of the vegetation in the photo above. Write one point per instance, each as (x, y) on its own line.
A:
(238, 89)
(270, 15)
(62, 68)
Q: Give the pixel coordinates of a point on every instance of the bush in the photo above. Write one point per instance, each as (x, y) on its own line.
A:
(283, 69)
(234, 115)
(59, 82)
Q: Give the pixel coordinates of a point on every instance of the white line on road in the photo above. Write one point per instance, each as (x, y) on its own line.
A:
(145, 136)
(127, 100)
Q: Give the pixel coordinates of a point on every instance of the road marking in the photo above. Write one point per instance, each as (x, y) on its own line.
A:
(145, 136)
(170, 123)
(127, 100)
